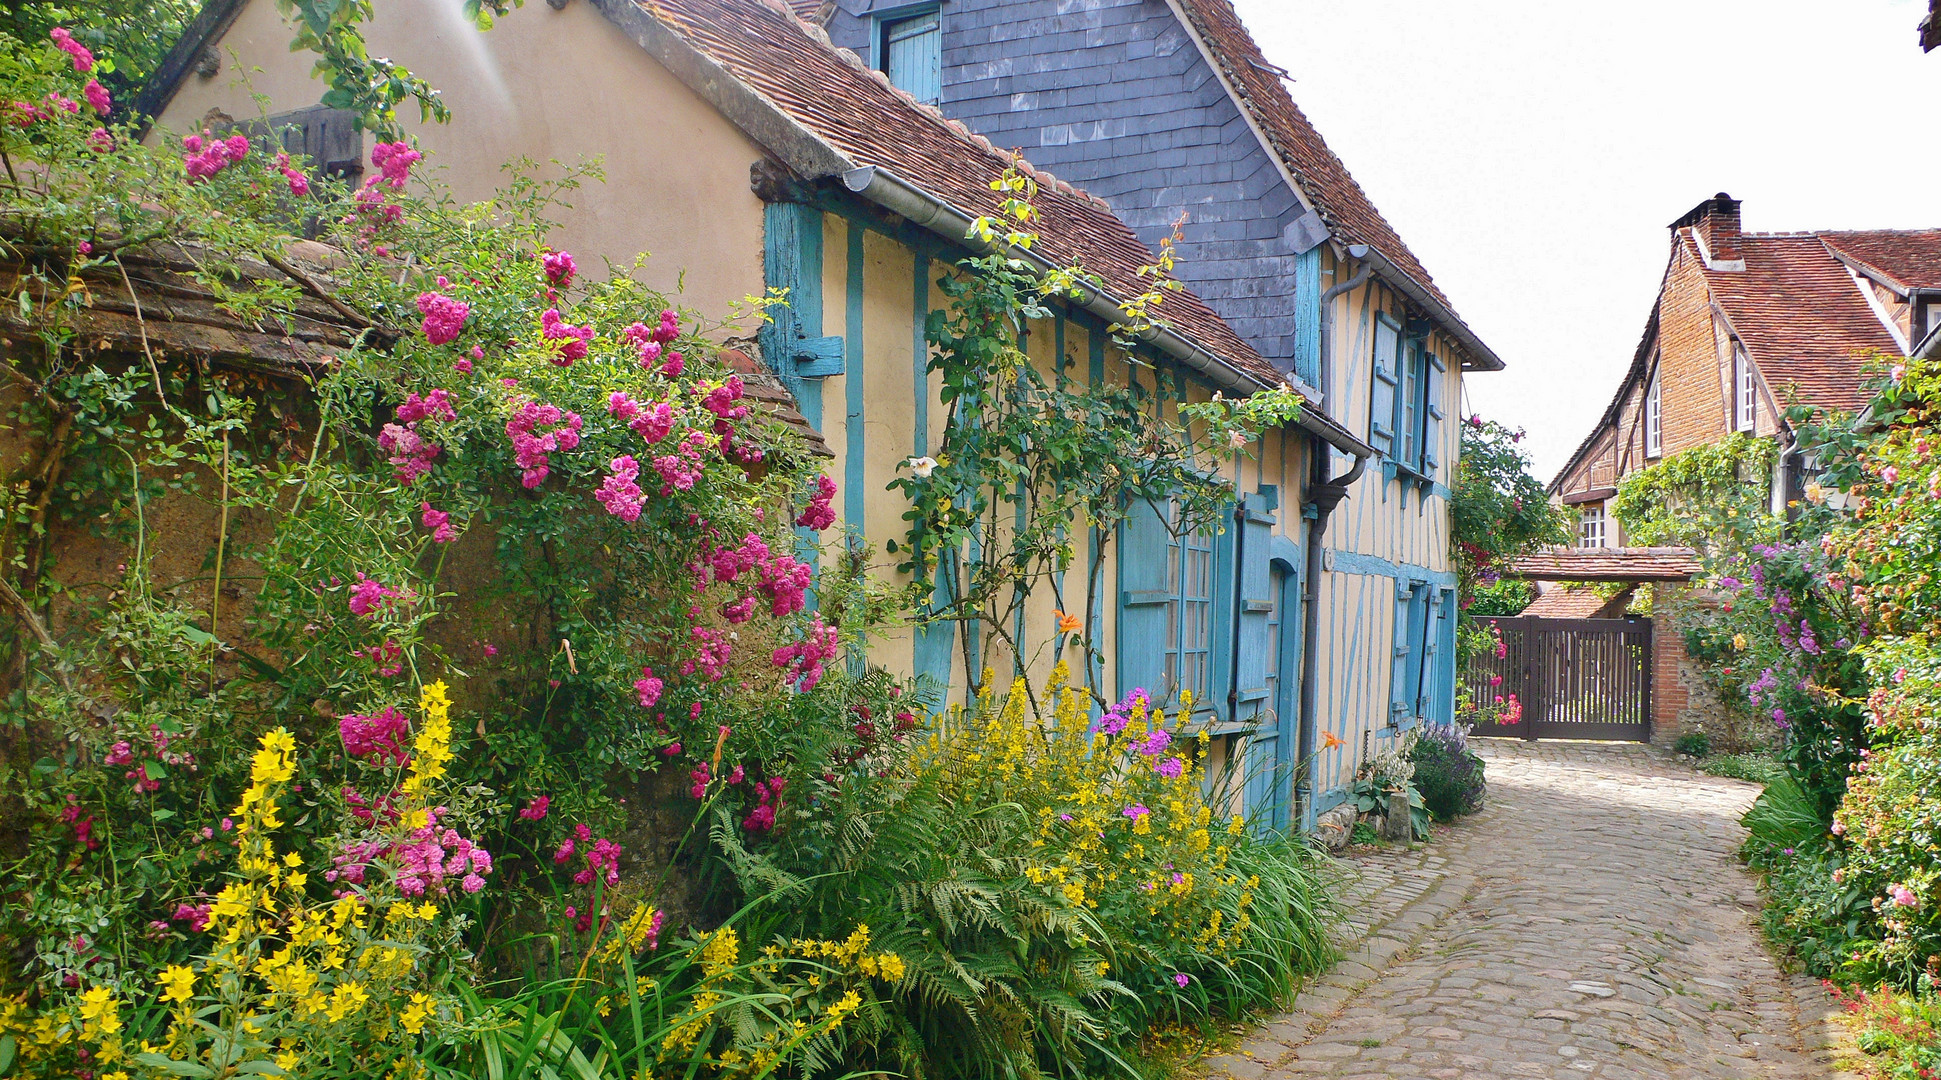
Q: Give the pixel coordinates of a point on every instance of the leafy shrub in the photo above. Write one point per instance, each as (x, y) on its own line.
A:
(1055, 887)
(1809, 914)
(1758, 766)
(1448, 773)
(1900, 1031)
(1783, 819)
(1892, 816)
(1693, 744)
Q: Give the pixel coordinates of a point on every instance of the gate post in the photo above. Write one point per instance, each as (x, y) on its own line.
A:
(1650, 665)
(1533, 673)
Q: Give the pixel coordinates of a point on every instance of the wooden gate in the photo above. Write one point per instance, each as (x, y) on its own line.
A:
(1575, 678)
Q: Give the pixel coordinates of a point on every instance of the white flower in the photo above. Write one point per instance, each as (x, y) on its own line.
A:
(922, 467)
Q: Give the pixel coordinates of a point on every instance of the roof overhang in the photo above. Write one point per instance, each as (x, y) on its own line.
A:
(1607, 564)
(1476, 355)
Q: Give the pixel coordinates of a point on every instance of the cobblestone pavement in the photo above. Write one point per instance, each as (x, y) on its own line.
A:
(1591, 922)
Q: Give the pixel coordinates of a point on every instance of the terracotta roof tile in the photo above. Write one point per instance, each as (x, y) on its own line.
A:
(839, 100)
(1801, 317)
(1608, 564)
(1909, 258)
(1323, 178)
(1577, 604)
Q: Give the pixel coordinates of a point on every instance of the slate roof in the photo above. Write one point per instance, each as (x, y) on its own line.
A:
(1805, 322)
(855, 110)
(1905, 258)
(1930, 27)
(1323, 179)
(1607, 564)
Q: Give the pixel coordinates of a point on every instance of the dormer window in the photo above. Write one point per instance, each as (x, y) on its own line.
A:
(909, 49)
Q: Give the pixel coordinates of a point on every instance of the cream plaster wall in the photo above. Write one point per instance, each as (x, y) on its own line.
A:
(545, 85)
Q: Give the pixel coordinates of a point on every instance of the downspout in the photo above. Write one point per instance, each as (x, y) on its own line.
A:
(1325, 495)
(1358, 252)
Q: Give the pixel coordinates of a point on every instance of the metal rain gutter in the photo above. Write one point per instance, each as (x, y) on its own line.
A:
(1484, 357)
(927, 211)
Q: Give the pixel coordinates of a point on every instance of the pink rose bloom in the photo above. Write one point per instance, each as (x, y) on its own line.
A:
(97, 96)
(83, 59)
(1903, 896)
(439, 522)
(560, 269)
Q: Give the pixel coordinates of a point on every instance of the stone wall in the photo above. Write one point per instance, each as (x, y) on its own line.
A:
(1682, 698)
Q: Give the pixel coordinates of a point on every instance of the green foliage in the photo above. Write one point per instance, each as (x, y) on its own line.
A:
(1891, 818)
(1693, 744)
(128, 37)
(1448, 773)
(1055, 888)
(1504, 596)
(1899, 1031)
(1758, 766)
(1498, 511)
(1034, 463)
(1715, 497)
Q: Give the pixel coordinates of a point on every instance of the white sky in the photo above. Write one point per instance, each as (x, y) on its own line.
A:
(1531, 152)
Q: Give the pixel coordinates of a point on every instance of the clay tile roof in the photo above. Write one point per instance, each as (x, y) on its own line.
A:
(1801, 317)
(840, 101)
(774, 400)
(1908, 258)
(172, 313)
(1324, 180)
(1577, 604)
(1607, 564)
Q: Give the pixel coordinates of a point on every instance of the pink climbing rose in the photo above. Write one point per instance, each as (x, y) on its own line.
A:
(83, 59)
(444, 317)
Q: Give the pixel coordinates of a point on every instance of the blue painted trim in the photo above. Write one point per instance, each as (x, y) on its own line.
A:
(854, 506)
(1325, 802)
(1095, 365)
(1307, 317)
(1354, 562)
(931, 646)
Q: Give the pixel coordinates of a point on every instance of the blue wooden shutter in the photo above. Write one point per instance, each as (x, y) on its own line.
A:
(1408, 418)
(1445, 703)
(1401, 690)
(1143, 599)
(913, 56)
(1428, 653)
(1256, 604)
(793, 344)
(1381, 405)
(1432, 418)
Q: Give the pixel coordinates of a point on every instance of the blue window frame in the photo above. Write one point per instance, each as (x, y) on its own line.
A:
(1189, 615)
(1405, 410)
(1422, 681)
(909, 49)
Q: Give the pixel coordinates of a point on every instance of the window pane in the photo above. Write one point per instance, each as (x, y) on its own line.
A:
(913, 56)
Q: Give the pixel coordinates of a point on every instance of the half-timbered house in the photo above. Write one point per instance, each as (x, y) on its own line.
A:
(745, 152)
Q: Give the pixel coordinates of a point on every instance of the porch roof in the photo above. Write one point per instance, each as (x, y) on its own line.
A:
(1608, 564)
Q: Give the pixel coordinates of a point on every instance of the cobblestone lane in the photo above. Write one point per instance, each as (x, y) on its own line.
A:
(1591, 922)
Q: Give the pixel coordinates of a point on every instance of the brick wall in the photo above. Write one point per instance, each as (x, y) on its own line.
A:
(1670, 694)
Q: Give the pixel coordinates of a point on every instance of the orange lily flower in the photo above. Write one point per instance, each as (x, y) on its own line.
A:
(1330, 741)
(1068, 624)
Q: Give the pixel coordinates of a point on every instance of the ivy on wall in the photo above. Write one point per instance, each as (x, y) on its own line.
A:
(1718, 493)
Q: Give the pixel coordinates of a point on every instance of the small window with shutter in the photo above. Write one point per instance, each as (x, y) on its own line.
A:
(910, 51)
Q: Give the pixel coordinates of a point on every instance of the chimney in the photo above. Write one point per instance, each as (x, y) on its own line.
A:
(1716, 222)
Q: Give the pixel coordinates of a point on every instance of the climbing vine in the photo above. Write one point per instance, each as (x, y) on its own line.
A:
(1711, 497)
(1034, 465)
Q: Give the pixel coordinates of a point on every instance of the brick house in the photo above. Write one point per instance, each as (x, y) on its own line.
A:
(1746, 324)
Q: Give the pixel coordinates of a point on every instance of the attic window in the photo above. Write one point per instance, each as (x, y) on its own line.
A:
(910, 51)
